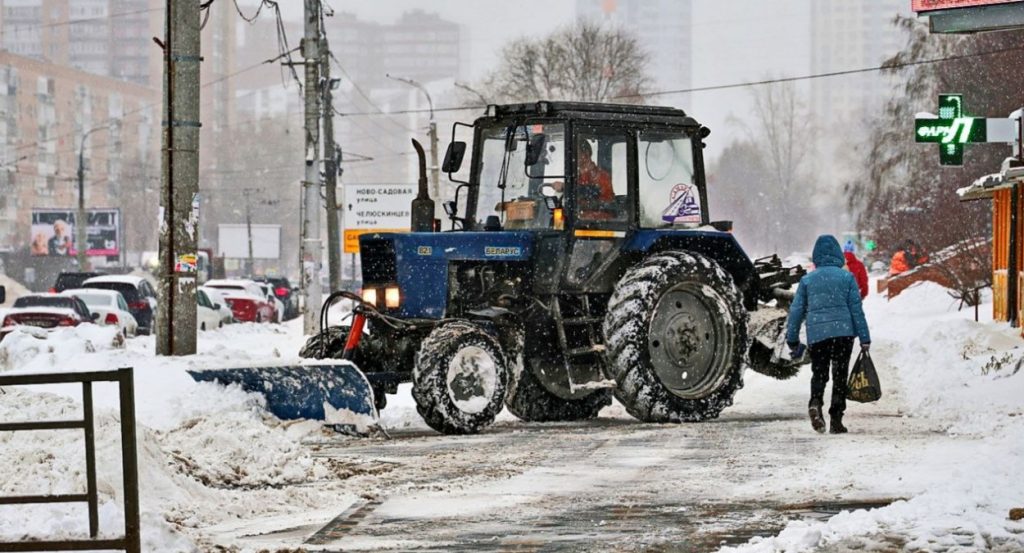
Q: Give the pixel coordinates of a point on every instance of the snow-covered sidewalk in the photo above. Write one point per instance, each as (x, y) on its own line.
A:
(938, 365)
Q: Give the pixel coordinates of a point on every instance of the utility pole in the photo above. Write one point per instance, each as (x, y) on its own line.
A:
(176, 313)
(331, 169)
(312, 247)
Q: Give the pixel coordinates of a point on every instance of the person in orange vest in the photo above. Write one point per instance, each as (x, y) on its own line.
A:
(898, 263)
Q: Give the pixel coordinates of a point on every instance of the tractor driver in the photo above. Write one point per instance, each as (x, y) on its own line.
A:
(595, 193)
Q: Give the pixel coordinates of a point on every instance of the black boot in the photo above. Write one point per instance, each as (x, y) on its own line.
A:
(835, 425)
(817, 421)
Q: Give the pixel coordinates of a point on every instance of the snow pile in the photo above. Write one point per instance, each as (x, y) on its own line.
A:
(207, 453)
(965, 376)
(27, 348)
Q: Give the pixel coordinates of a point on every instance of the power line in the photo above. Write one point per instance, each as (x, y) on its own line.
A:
(883, 67)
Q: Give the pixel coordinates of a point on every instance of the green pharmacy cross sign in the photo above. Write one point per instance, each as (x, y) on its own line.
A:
(951, 130)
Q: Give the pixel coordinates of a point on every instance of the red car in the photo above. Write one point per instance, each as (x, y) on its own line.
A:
(46, 311)
(246, 299)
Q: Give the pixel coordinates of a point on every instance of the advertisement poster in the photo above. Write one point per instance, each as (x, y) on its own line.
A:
(53, 232)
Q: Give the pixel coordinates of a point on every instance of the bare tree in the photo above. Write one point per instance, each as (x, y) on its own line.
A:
(780, 132)
(585, 62)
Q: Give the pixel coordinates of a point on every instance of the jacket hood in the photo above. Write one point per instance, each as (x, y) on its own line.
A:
(827, 252)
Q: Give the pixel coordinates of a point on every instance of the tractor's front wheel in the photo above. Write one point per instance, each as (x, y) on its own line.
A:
(676, 337)
(459, 378)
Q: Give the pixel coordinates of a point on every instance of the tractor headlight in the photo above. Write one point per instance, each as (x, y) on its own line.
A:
(392, 297)
(370, 296)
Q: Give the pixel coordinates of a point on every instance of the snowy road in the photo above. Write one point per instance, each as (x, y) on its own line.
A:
(615, 484)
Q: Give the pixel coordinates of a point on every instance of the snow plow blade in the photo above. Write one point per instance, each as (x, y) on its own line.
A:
(315, 391)
(767, 353)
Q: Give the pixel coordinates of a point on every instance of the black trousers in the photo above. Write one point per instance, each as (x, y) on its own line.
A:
(830, 355)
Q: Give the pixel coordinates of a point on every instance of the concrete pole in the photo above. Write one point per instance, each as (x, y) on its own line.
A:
(176, 313)
(313, 249)
(331, 168)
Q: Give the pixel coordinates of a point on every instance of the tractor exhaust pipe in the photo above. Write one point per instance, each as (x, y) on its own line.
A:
(422, 206)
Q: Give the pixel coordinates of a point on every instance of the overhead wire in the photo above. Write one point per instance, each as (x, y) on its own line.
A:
(742, 84)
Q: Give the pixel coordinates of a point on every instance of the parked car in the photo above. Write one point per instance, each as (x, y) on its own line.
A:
(283, 291)
(45, 311)
(107, 307)
(219, 300)
(137, 291)
(246, 299)
(268, 290)
(208, 313)
(69, 280)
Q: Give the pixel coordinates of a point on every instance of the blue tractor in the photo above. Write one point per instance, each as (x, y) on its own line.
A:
(579, 262)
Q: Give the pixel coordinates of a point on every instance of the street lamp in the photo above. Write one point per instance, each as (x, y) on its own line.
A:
(434, 168)
(81, 221)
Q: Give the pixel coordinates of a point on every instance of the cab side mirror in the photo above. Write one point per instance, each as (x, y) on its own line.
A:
(3, 294)
(95, 316)
(535, 149)
(216, 307)
(453, 157)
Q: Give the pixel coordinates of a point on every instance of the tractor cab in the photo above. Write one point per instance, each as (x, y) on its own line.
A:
(582, 178)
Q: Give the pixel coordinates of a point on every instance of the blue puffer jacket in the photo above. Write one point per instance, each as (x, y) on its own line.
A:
(828, 299)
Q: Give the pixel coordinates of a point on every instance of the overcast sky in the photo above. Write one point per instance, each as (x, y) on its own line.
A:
(733, 41)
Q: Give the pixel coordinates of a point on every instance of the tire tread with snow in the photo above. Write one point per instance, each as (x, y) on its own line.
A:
(627, 326)
(431, 388)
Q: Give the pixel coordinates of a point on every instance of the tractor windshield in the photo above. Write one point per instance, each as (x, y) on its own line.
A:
(669, 194)
(509, 188)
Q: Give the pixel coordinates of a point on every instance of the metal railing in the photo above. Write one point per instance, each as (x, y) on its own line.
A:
(129, 462)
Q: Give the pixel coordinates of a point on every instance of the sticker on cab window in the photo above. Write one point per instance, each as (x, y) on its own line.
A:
(684, 206)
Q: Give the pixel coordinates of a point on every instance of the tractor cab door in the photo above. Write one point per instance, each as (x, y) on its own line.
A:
(598, 201)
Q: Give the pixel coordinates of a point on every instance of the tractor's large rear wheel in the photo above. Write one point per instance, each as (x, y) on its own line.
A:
(529, 400)
(676, 337)
(459, 378)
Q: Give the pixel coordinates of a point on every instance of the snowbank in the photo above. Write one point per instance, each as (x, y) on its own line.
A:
(966, 377)
(207, 453)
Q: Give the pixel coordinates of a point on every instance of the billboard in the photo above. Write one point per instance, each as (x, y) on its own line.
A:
(233, 241)
(934, 5)
(53, 232)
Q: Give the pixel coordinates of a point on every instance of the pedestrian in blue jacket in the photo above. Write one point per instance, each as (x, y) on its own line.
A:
(829, 301)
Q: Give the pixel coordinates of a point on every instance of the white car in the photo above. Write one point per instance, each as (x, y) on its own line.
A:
(108, 308)
(207, 317)
(218, 298)
(268, 290)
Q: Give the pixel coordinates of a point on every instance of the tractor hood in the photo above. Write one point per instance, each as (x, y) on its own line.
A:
(417, 263)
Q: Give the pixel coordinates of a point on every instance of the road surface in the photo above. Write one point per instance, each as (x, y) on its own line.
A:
(615, 484)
